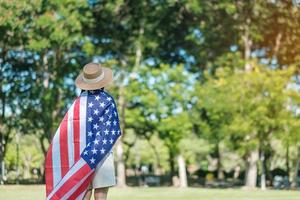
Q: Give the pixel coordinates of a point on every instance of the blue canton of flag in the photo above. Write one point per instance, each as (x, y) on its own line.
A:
(103, 128)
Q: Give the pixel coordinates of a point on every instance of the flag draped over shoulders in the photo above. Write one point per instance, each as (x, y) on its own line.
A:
(82, 141)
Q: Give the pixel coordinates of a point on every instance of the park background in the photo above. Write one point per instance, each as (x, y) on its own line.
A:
(207, 92)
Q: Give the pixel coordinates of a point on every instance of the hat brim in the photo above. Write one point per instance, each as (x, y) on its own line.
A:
(108, 78)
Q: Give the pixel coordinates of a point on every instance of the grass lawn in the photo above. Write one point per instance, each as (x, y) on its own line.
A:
(37, 193)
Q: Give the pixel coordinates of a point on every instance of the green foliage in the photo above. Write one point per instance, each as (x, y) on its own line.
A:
(45, 34)
(248, 108)
(30, 156)
(195, 150)
(160, 100)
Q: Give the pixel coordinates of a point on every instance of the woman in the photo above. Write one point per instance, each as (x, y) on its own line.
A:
(92, 79)
(80, 157)
(103, 179)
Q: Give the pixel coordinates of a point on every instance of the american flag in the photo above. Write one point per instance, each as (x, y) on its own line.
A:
(83, 140)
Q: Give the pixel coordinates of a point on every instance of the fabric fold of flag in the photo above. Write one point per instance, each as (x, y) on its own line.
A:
(83, 141)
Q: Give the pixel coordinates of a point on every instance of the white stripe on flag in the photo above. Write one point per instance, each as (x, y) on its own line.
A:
(71, 136)
(72, 171)
(83, 105)
(56, 158)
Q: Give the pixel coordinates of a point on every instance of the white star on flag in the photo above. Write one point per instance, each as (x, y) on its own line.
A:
(96, 112)
(102, 104)
(104, 141)
(92, 160)
(96, 126)
(96, 141)
(90, 133)
(94, 151)
(102, 151)
(101, 119)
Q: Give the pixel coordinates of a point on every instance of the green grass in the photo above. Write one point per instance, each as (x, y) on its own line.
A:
(163, 193)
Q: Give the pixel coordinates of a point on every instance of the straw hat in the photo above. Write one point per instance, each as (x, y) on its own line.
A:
(93, 77)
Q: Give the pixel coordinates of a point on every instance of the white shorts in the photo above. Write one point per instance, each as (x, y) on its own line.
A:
(105, 174)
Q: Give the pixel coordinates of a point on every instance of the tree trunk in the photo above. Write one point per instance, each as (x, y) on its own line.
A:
(247, 46)
(138, 51)
(121, 174)
(276, 48)
(182, 171)
(172, 166)
(268, 158)
(263, 171)
(219, 162)
(121, 171)
(2, 169)
(297, 167)
(251, 171)
(287, 160)
(26, 167)
(253, 156)
(43, 147)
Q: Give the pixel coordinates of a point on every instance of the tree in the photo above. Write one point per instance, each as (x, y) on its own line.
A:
(163, 104)
(44, 60)
(12, 25)
(259, 116)
(214, 115)
(248, 110)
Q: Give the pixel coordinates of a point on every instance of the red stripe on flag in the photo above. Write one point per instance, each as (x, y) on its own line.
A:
(82, 188)
(49, 171)
(76, 121)
(71, 182)
(63, 142)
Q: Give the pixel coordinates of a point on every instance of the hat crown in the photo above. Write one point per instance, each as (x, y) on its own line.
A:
(92, 71)
(94, 76)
